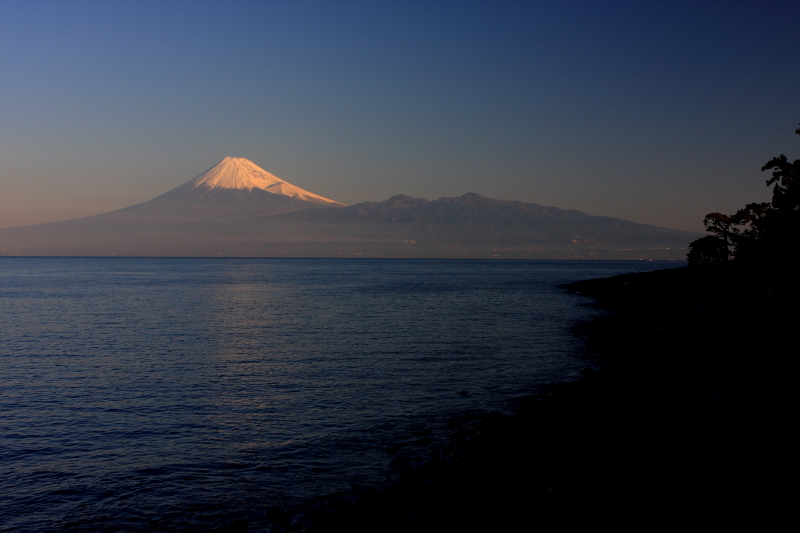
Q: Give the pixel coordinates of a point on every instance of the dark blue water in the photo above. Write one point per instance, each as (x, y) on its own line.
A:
(177, 394)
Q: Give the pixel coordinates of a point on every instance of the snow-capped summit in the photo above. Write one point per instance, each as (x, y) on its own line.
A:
(241, 173)
(233, 189)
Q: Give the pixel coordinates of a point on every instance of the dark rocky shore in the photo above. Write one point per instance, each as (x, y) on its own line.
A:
(687, 415)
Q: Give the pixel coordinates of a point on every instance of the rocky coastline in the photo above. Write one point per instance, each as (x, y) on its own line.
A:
(687, 414)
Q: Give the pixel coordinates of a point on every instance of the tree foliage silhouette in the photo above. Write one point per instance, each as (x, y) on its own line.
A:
(759, 231)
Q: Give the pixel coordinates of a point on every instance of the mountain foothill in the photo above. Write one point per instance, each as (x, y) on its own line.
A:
(238, 209)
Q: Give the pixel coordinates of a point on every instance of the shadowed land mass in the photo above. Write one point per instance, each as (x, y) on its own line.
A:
(688, 413)
(685, 415)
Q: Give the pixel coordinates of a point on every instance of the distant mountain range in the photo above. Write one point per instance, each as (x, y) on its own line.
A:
(238, 209)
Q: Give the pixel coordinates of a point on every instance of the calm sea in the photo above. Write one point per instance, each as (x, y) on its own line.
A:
(180, 394)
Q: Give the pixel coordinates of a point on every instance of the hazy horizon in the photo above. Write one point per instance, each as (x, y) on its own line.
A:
(656, 113)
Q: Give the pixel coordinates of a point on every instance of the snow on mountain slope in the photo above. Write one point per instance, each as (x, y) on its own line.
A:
(234, 189)
(241, 173)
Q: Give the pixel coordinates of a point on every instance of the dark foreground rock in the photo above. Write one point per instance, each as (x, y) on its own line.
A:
(689, 418)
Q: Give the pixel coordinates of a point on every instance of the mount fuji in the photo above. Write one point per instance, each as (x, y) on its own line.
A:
(236, 208)
(233, 189)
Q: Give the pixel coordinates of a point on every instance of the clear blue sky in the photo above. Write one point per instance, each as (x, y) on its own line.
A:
(656, 112)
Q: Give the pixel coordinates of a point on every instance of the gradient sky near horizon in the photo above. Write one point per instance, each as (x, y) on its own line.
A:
(655, 112)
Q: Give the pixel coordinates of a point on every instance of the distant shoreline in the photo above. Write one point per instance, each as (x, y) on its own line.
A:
(339, 257)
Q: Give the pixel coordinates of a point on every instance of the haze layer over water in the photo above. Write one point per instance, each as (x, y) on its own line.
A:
(179, 394)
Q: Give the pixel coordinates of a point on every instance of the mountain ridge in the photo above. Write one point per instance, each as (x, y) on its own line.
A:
(463, 208)
(229, 210)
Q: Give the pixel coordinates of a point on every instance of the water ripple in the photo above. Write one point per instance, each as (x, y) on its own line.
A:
(174, 394)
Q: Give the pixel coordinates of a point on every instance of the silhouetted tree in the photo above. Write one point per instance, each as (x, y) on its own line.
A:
(708, 249)
(757, 232)
(722, 226)
(786, 181)
(715, 247)
(749, 241)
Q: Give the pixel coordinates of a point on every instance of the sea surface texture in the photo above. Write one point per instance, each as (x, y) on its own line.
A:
(181, 394)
